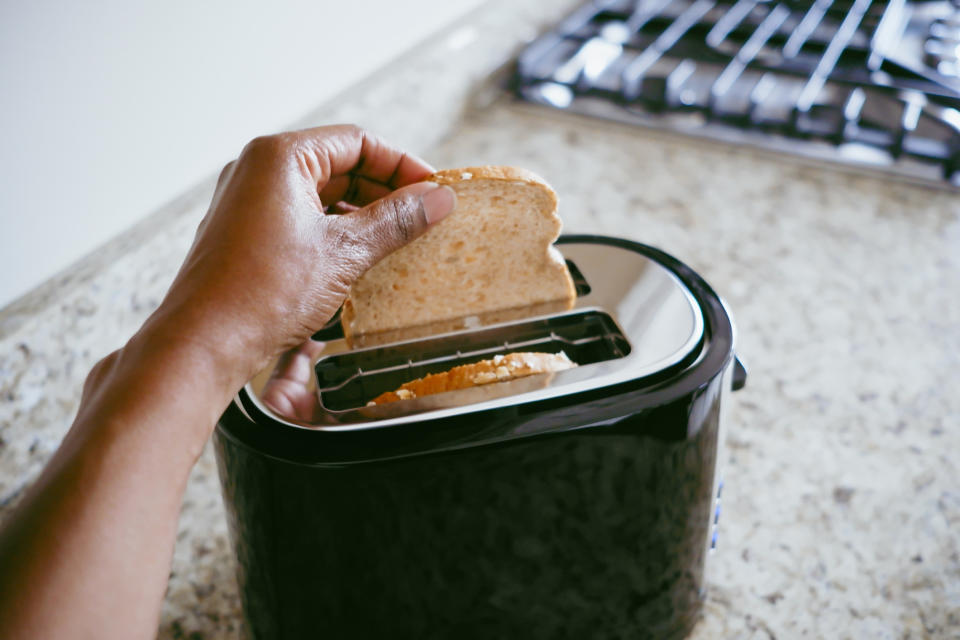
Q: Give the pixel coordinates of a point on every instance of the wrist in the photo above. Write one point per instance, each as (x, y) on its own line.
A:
(198, 330)
(165, 385)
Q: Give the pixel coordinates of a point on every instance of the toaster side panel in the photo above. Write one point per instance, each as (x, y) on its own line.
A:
(597, 532)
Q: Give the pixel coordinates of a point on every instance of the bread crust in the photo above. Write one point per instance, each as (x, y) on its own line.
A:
(498, 369)
(491, 172)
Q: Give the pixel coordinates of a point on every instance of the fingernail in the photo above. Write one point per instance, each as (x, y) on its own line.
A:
(438, 203)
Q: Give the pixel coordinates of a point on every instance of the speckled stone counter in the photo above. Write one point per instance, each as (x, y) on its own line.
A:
(842, 499)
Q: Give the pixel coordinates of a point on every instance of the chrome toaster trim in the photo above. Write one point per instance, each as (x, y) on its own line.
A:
(656, 313)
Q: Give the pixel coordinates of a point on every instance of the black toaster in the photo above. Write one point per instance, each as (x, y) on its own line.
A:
(577, 504)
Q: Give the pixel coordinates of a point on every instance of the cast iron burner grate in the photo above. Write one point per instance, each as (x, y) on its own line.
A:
(868, 83)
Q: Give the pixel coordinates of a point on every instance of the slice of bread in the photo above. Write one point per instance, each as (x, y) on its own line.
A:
(490, 260)
(498, 369)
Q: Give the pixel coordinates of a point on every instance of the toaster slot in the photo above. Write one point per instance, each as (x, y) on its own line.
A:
(349, 380)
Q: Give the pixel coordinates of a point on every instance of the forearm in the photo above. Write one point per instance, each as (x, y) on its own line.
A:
(87, 553)
(92, 541)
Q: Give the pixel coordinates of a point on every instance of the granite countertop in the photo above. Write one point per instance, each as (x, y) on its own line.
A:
(842, 499)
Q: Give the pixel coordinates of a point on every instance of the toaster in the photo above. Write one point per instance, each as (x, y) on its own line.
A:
(577, 504)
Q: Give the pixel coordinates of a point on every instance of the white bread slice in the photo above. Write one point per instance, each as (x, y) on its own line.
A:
(490, 260)
(498, 369)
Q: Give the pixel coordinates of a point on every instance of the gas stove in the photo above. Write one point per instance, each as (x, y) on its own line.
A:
(871, 84)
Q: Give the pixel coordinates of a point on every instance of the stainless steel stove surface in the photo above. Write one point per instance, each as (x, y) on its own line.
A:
(869, 83)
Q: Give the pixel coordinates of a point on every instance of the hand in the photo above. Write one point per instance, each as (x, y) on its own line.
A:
(294, 221)
(288, 391)
(271, 263)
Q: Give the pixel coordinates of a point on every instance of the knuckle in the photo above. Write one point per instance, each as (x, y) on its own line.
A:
(353, 129)
(227, 168)
(99, 371)
(268, 147)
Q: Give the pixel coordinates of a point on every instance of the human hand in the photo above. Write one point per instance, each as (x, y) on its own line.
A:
(270, 264)
(289, 391)
(272, 261)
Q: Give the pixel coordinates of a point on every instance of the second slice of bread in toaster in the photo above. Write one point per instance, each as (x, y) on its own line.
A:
(501, 368)
(492, 254)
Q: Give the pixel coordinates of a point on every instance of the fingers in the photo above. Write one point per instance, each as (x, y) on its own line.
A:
(353, 189)
(344, 161)
(288, 391)
(225, 174)
(343, 149)
(296, 364)
(341, 207)
(384, 226)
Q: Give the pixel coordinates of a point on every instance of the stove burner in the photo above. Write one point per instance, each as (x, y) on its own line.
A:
(869, 83)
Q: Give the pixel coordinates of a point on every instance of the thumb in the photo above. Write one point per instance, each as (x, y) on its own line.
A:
(396, 219)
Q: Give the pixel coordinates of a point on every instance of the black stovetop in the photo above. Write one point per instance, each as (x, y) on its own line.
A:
(872, 84)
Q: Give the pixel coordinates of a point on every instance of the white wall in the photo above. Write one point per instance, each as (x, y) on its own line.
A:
(110, 108)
